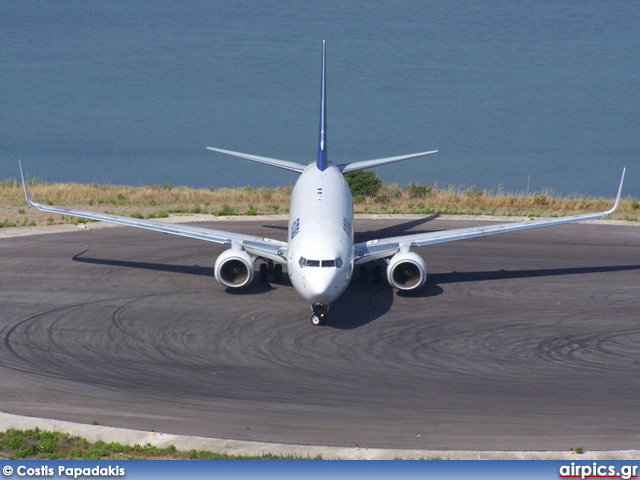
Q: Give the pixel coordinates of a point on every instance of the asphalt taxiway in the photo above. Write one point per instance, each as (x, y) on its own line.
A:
(529, 340)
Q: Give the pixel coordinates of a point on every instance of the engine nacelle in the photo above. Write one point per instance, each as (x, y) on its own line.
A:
(234, 268)
(406, 271)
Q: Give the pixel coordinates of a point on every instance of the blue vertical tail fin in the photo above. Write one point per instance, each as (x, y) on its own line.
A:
(323, 161)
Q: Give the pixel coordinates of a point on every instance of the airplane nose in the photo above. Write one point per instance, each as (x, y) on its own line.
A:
(319, 286)
(321, 289)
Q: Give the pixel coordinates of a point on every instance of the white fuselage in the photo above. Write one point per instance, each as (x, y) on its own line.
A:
(320, 237)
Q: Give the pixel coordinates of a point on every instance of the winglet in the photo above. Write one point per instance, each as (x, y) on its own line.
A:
(24, 185)
(323, 160)
(615, 205)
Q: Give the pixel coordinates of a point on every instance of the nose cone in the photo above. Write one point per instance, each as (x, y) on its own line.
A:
(321, 286)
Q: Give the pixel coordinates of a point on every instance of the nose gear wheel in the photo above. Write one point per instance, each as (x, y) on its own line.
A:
(319, 316)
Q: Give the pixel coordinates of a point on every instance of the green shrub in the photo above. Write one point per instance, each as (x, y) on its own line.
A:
(6, 223)
(15, 443)
(94, 454)
(75, 453)
(152, 449)
(208, 455)
(225, 211)
(160, 214)
(540, 200)
(363, 183)
(25, 452)
(48, 445)
(115, 447)
(418, 191)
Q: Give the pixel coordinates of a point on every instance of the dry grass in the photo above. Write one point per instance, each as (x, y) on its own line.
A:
(161, 200)
(424, 199)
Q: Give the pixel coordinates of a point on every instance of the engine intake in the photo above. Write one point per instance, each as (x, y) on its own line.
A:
(234, 268)
(406, 271)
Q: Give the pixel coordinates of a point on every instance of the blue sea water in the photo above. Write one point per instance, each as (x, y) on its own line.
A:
(132, 92)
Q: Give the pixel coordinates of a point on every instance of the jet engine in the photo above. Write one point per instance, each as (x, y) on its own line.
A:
(234, 268)
(406, 271)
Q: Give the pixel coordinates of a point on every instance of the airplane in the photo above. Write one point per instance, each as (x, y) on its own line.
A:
(320, 253)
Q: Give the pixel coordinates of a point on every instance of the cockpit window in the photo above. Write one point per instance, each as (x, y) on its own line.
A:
(336, 262)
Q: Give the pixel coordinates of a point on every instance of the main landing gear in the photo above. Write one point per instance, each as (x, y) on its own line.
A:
(319, 316)
(269, 268)
(366, 270)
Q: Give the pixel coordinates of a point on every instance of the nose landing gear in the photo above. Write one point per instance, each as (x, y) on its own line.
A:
(319, 316)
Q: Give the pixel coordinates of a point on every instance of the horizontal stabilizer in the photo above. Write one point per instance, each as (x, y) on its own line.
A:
(274, 162)
(352, 167)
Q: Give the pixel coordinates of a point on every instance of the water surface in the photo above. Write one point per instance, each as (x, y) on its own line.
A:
(132, 93)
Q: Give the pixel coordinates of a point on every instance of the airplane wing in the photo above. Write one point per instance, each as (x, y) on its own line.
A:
(386, 247)
(275, 250)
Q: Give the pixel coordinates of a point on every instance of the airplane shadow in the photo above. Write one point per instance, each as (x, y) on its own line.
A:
(436, 279)
(393, 230)
(158, 267)
(359, 305)
(255, 288)
(364, 303)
